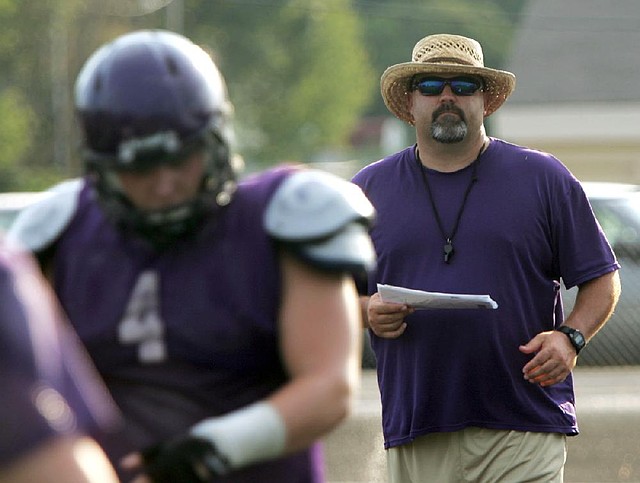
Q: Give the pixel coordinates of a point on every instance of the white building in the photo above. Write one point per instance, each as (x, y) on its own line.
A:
(577, 64)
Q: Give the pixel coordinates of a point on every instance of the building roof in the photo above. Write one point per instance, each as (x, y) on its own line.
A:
(576, 51)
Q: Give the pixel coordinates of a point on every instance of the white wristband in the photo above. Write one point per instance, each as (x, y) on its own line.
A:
(249, 435)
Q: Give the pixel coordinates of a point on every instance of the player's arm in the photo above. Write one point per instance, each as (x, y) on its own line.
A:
(322, 223)
(72, 459)
(320, 327)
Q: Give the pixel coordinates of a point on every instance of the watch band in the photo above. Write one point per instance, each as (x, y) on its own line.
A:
(576, 337)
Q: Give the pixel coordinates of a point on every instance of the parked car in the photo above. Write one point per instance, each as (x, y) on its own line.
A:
(617, 208)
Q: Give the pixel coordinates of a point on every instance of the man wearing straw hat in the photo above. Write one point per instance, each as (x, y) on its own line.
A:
(475, 394)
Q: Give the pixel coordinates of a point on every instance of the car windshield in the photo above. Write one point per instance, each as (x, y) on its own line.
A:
(617, 208)
(620, 220)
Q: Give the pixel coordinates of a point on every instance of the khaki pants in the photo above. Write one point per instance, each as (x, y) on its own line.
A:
(479, 455)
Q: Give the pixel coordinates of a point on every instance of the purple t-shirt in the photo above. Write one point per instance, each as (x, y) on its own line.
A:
(48, 388)
(526, 226)
(187, 333)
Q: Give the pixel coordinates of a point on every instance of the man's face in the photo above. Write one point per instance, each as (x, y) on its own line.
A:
(447, 108)
(166, 185)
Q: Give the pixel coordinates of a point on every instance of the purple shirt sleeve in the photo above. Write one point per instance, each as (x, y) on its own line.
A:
(48, 385)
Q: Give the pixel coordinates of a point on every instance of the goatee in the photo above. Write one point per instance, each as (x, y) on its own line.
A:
(448, 129)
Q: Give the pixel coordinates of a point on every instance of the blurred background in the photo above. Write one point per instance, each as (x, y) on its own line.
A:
(303, 76)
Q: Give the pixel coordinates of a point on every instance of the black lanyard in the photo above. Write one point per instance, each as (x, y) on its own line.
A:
(448, 244)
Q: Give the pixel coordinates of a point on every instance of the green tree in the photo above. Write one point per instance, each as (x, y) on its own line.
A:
(16, 121)
(27, 59)
(22, 125)
(301, 73)
(298, 72)
(42, 46)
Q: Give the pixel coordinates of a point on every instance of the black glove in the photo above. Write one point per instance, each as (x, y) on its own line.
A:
(184, 460)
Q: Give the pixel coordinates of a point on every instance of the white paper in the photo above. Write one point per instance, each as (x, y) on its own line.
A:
(434, 300)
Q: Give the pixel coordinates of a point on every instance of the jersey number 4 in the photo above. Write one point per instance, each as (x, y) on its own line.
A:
(142, 324)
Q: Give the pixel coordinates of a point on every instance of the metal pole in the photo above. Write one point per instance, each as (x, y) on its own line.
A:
(175, 16)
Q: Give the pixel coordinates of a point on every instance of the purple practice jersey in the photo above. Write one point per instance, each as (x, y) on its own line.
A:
(186, 333)
(48, 388)
(526, 226)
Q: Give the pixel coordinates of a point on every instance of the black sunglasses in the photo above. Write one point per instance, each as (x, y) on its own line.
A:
(433, 86)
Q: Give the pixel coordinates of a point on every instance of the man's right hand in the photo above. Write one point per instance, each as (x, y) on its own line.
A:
(386, 319)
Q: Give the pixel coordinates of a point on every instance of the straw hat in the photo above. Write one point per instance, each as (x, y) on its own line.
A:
(443, 54)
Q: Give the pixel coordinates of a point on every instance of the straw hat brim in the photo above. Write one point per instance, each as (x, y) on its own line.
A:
(394, 84)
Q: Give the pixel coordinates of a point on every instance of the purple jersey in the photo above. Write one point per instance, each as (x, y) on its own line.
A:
(48, 387)
(186, 333)
(526, 225)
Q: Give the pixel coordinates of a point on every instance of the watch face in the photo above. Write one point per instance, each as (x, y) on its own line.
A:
(575, 336)
(579, 338)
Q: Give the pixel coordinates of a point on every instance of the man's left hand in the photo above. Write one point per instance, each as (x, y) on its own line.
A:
(554, 358)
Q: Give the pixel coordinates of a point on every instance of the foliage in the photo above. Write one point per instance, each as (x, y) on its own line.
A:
(301, 73)
(298, 72)
(15, 128)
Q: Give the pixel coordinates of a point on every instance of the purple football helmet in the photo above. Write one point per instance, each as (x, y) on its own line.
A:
(147, 98)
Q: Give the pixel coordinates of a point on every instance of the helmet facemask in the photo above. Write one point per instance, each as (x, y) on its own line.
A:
(164, 226)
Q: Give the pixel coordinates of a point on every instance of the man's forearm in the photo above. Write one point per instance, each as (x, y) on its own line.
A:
(595, 302)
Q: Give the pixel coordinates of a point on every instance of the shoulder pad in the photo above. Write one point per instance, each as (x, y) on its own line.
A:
(40, 224)
(324, 220)
(312, 204)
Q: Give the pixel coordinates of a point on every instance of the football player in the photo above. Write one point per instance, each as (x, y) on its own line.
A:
(222, 315)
